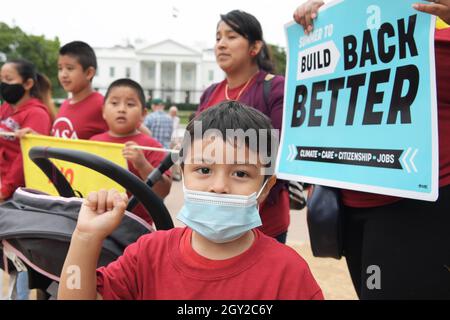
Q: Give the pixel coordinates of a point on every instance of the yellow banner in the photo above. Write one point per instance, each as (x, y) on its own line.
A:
(81, 179)
(440, 24)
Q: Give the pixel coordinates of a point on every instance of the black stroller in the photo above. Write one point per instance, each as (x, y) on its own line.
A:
(35, 228)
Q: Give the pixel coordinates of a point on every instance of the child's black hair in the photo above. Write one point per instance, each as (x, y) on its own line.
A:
(128, 83)
(249, 27)
(234, 115)
(82, 52)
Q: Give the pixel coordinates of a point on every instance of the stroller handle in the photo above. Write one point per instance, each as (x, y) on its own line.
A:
(152, 203)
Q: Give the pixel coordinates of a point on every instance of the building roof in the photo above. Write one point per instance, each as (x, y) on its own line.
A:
(168, 47)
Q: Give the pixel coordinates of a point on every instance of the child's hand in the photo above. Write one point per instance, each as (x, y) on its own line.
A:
(440, 8)
(101, 213)
(24, 131)
(306, 13)
(135, 156)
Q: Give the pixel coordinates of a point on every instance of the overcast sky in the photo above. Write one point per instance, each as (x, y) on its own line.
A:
(104, 23)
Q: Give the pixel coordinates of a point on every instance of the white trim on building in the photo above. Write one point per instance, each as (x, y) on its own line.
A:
(167, 69)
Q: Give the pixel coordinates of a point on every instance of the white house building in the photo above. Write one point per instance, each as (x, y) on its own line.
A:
(167, 70)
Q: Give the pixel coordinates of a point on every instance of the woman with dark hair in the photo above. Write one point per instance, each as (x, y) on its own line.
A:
(244, 57)
(27, 104)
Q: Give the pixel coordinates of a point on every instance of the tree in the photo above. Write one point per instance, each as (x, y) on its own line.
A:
(279, 59)
(15, 43)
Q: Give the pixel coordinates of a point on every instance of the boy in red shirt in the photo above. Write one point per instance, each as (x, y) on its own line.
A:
(79, 117)
(124, 111)
(220, 255)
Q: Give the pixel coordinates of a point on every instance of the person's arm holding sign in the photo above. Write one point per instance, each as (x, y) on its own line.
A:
(440, 8)
(23, 132)
(308, 11)
(137, 158)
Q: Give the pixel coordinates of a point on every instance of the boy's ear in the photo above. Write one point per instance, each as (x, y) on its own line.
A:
(90, 73)
(141, 121)
(265, 192)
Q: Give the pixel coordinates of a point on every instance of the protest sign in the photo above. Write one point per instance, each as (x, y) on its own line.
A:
(82, 179)
(360, 106)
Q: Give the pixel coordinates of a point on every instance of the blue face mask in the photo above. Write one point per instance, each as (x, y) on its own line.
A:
(219, 217)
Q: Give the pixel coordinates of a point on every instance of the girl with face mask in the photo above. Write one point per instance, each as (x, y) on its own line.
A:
(27, 103)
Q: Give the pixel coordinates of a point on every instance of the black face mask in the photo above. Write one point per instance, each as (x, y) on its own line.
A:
(11, 93)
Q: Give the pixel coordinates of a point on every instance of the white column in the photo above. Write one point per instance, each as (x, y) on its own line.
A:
(138, 76)
(178, 93)
(198, 83)
(157, 91)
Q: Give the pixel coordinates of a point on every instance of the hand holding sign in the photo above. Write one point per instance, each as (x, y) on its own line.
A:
(440, 8)
(308, 11)
(24, 131)
(134, 155)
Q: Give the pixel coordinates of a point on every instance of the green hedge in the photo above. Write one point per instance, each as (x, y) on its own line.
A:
(180, 106)
(185, 106)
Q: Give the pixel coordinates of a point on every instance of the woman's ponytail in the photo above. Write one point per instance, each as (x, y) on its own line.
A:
(264, 59)
(43, 91)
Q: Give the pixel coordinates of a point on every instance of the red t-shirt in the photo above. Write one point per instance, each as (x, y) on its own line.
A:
(153, 157)
(80, 120)
(275, 217)
(442, 53)
(32, 114)
(160, 266)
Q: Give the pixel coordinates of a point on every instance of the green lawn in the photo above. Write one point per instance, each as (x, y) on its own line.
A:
(184, 116)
